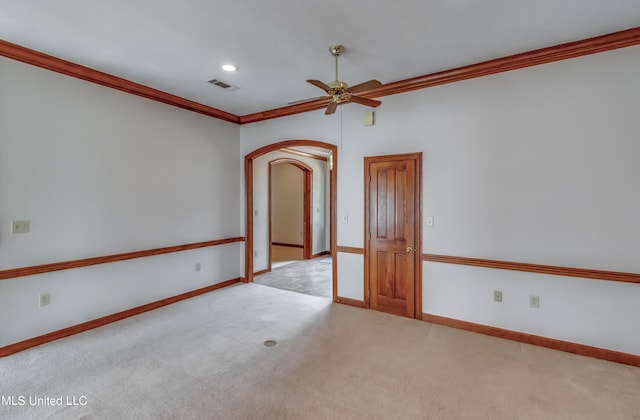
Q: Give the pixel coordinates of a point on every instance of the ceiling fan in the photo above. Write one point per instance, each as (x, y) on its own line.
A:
(340, 92)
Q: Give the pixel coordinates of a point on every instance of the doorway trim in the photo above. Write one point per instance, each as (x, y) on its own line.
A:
(333, 187)
(307, 218)
(417, 157)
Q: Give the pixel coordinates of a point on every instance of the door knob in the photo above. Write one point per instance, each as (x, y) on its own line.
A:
(410, 250)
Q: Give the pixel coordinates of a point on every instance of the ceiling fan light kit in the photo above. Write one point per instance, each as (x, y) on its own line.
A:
(340, 93)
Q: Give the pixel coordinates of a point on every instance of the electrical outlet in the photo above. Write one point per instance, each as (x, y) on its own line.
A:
(20, 226)
(44, 299)
(534, 301)
(497, 295)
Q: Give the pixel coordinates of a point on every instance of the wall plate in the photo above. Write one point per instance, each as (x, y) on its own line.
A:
(20, 226)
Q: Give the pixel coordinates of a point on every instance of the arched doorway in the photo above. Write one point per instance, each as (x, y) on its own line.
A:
(249, 200)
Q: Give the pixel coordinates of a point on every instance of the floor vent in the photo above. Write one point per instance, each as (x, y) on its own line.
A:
(223, 85)
(270, 343)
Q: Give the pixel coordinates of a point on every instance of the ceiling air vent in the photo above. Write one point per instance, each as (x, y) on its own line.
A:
(222, 84)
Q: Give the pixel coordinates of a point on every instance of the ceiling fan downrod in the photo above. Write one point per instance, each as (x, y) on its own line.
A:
(336, 50)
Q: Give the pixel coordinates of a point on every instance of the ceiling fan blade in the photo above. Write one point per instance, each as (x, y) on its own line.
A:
(364, 101)
(321, 85)
(364, 86)
(331, 108)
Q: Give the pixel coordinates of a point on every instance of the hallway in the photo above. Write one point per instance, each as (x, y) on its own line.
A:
(290, 272)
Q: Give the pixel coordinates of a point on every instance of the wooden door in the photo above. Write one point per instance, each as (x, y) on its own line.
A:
(392, 218)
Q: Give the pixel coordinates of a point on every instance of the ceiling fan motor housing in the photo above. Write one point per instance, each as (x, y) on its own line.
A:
(336, 50)
(338, 85)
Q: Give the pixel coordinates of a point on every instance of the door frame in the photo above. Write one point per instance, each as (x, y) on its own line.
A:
(307, 218)
(417, 158)
(333, 189)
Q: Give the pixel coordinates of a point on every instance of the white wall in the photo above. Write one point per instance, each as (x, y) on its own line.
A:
(287, 204)
(536, 165)
(100, 172)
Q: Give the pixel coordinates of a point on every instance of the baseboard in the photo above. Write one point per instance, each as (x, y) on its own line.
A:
(89, 325)
(321, 254)
(350, 250)
(351, 302)
(257, 273)
(290, 245)
(581, 349)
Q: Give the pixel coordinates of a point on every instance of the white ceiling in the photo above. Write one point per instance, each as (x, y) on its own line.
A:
(176, 46)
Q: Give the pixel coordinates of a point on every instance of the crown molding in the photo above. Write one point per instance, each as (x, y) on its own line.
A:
(285, 111)
(45, 61)
(612, 41)
(575, 49)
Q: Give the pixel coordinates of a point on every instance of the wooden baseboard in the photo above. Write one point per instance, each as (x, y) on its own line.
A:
(350, 250)
(581, 349)
(321, 254)
(257, 273)
(351, 302)
(289, 245)
(89, 325)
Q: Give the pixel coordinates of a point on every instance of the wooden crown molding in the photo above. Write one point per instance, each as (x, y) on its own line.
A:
(284, 111)
(45, 61)
(536, 268)
(546, 55)
(66, 265)
(575, 49)
(565, 51)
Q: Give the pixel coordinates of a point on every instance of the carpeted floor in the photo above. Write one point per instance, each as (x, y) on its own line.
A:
(311, 277)
(283, 255)
(204, 358)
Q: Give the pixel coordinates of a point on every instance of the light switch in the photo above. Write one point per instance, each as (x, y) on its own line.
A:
(345, 218)
(430, 221)
(369, 118)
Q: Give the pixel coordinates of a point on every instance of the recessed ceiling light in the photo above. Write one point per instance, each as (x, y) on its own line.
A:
(229, 67)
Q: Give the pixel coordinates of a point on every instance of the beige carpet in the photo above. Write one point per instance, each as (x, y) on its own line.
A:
(311, 277)
(204, 358)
